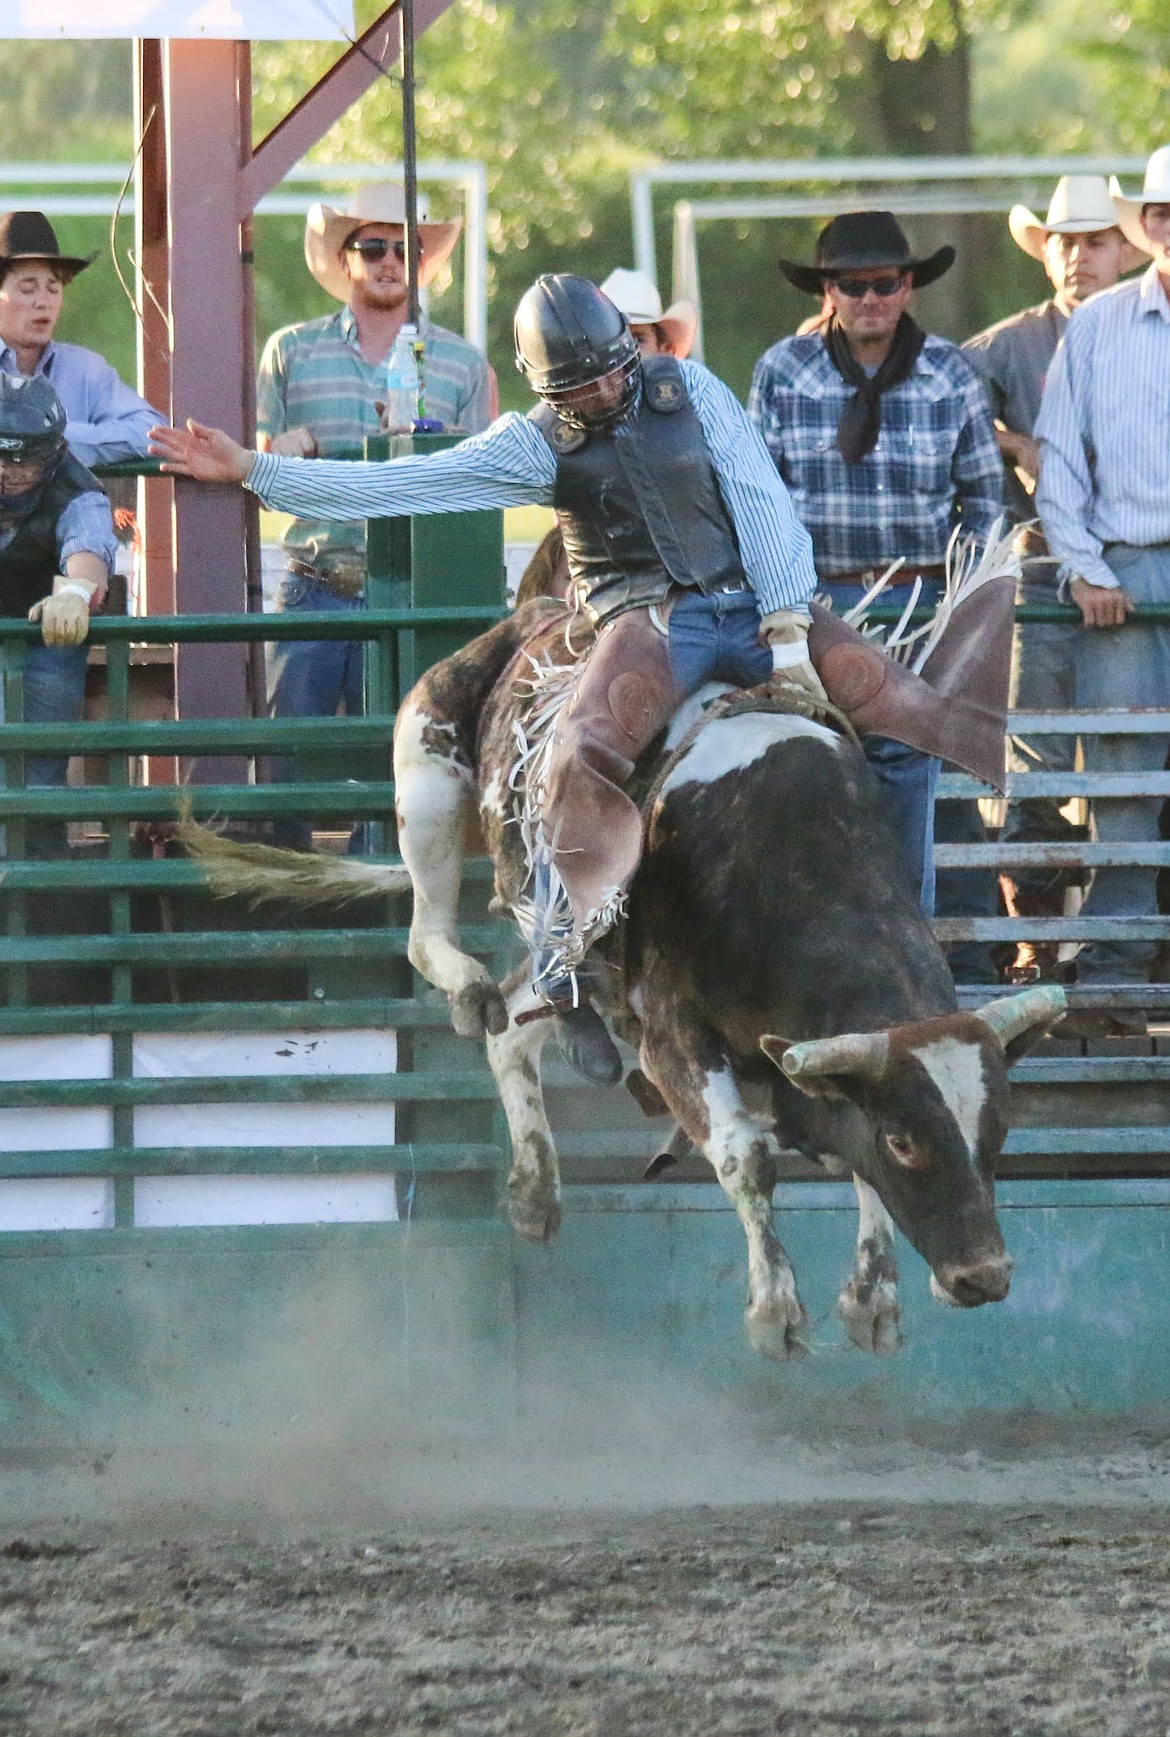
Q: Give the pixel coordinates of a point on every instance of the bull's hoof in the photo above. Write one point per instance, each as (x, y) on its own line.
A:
(479, 1011)
(872, 1316)
(776, 1328)
(533, 1213)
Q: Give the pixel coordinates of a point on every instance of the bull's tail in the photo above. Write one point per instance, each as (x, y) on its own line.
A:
(264, 874)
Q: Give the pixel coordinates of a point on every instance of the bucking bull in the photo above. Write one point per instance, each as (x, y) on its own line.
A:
(774, 970)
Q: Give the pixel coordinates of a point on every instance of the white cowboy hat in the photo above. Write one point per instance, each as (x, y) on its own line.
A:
(633, 294)
(327, 229)
(1155, 191)
(1080, 205)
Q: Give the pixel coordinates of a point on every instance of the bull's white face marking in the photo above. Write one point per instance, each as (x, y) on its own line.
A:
(956, 1067)
(688, 712)
(729, 744)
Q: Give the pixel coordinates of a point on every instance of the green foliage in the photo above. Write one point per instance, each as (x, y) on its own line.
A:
(561, 99)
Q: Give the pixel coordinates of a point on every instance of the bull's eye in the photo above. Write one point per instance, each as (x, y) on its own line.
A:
(902, 1150)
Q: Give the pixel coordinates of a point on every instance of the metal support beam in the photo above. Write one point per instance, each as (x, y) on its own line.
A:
(372, 56)
(207, 91)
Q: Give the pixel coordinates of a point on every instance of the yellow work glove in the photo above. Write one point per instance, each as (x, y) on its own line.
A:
(786, 633)
(64, 617)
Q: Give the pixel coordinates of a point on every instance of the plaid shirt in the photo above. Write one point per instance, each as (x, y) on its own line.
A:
(314, 376)
(935, 464)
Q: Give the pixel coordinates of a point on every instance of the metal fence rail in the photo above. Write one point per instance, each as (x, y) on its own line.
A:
(120, 942)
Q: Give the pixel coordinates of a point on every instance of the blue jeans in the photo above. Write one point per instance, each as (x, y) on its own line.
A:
(1125, 666)
(54, 693)
(717, 639)
(909, 778)
(312, 678)
(1044, 655)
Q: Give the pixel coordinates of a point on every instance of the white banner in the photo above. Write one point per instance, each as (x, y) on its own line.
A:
(235, 20)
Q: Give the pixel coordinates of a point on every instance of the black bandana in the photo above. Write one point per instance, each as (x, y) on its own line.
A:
(861, 419)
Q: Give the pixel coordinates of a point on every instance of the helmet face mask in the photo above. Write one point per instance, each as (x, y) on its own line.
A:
(32, 434)
(570, 338)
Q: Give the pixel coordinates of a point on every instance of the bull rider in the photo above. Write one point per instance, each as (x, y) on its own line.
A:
(688, 562)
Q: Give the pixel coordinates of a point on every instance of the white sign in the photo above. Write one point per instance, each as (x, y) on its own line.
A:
(235, 20)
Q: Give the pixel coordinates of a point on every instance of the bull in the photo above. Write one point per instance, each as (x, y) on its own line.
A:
(782, 985)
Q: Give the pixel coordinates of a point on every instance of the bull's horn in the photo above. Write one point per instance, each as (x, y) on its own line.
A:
(854, 1052)
(1011, 1015)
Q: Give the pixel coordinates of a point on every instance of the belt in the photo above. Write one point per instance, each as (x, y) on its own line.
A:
(342, 581)
(871, 575)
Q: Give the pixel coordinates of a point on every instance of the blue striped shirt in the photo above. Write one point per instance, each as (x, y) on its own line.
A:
(106, 419)
(511, 465)
(936, 463)
(1104, 428)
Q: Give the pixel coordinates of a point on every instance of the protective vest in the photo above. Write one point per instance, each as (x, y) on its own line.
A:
(640, 506)
(30, 562)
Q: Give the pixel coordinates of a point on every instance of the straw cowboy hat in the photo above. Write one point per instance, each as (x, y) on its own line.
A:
(1080, 205)
(30, 235)
(860, 241)
(1155, 191)
(327, 230)
(632, 293)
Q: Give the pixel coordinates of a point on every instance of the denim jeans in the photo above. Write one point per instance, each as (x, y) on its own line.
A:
(1044, 657)
(312, 678)
(717, 639)
(909, 778)
(1125, 666)
(54, 693)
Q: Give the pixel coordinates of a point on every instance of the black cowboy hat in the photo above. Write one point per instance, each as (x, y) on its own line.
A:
(30, 235)
(860, 241)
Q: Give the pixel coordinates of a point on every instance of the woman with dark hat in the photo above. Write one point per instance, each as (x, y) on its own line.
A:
(105, 420)
(883, 436)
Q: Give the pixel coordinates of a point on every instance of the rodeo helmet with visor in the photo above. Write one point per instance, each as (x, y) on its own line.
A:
(32, 420)
(569, 335)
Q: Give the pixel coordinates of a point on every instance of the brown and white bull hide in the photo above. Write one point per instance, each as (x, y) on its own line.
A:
(771, 912)
(788, 992)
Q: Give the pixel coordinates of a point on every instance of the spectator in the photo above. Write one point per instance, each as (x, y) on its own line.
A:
(106, 421)
(1104, 500)
(884, 439)
(318, 391)
(656, 333)
(1083, 251)
(57, 549)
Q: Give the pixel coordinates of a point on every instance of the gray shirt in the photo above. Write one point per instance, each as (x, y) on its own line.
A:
(1012, 359)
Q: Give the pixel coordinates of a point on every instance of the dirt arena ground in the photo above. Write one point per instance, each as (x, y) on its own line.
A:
(1038, 1604)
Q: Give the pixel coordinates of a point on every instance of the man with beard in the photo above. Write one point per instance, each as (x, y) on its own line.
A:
(882, 434)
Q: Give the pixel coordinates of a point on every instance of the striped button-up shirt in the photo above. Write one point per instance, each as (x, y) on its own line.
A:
(936, 463)
(511, 465)
(314, 376)
(1104, 429)
(106, 419)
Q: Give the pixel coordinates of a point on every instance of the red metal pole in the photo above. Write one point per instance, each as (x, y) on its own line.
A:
(211, 360)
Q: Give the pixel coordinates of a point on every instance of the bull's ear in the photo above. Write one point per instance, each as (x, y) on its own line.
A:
(812, 1085)
(830, 1067)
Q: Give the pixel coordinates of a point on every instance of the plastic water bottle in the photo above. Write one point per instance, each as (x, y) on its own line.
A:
(402, 381)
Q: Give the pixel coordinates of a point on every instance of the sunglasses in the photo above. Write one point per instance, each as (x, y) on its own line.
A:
(855, 287)
(375, 247)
